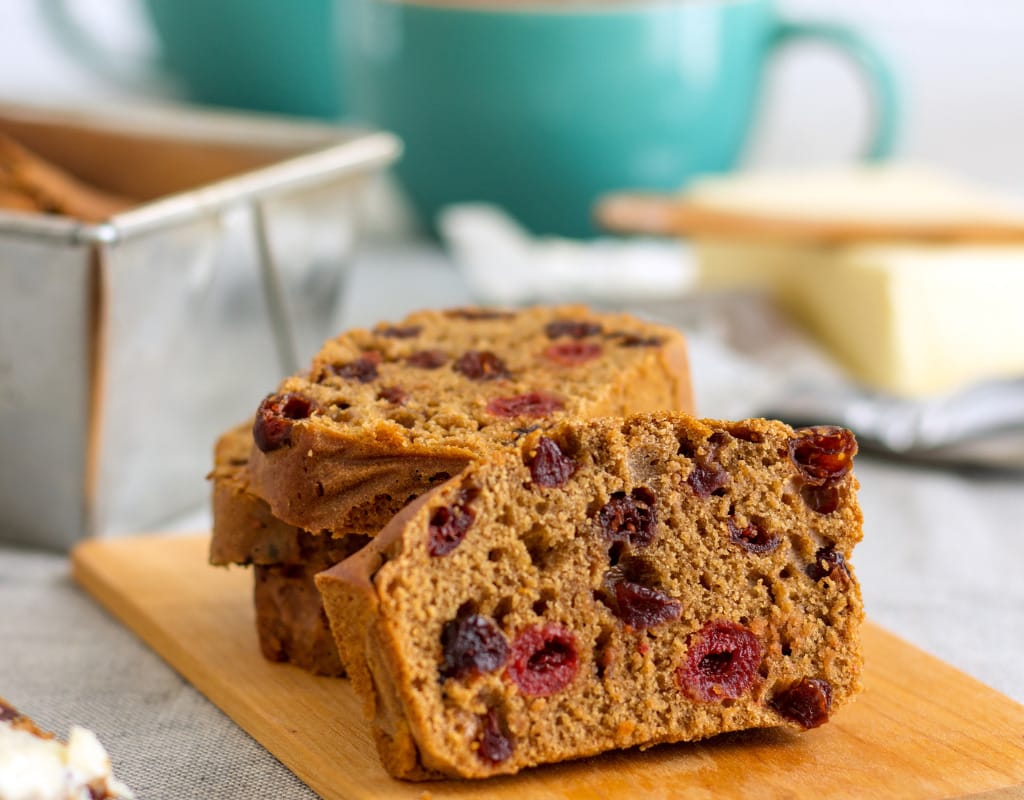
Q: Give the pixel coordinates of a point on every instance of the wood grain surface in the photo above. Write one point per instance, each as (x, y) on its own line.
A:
(675, 215)
(921, 729)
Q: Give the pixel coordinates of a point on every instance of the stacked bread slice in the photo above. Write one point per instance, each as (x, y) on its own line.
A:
(383, 415)
(547, 556)
(290, 621)
(608, 583)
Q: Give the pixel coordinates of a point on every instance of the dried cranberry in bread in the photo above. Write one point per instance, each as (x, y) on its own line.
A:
(290, 620)
(385, 414)
(608, 584)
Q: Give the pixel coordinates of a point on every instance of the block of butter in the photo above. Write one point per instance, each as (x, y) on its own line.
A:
(909, 318)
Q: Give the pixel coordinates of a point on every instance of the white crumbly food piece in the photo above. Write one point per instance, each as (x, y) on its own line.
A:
(34, 768)
(910, 319)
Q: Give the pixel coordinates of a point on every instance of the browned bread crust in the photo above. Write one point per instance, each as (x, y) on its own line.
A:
(244, 529)
(678, 579)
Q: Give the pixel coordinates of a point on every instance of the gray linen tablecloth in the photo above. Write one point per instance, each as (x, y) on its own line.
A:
(939, 565)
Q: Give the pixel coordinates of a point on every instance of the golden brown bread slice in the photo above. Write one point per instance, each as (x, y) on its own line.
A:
(385, 414)
(608, 584)
(399, 409)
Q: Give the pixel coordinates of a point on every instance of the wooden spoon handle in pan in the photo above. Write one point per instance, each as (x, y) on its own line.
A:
(668, 215)
(30, 183)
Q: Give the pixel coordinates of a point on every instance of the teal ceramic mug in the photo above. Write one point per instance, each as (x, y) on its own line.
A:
(265, 55)
(541, 107)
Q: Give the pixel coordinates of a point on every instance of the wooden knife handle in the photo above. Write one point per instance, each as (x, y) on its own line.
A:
(670, 215)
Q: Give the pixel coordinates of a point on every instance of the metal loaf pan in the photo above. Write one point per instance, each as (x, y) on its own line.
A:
(126, 347)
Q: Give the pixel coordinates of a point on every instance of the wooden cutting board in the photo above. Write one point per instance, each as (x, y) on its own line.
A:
(920, 729)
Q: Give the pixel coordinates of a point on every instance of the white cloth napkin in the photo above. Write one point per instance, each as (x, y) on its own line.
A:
(505, 265)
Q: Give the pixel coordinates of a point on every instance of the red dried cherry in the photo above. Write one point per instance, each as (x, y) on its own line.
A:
(823, 499)
(549, 466)
(752, 538)
(471, 644)
(395, 395)
(707, 477)
(272, 428)
(642, 607)
(531, 404)
(481, 365)
(363, 369)
(449, 524)
(572, 328)
(829, 563)
(823, 453)
(806, 702)
(494, 744)
(743, 432)
(625, 568)
(571, 354)
(721, 663)
(544, 660)
(427, 359)
(629, 518)
(400, 332)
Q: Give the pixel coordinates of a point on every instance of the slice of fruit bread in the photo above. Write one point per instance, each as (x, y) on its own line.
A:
(609, 583)
(385, 414)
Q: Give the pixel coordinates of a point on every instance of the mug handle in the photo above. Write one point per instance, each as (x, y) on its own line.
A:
(881, 80)
(139, 76)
